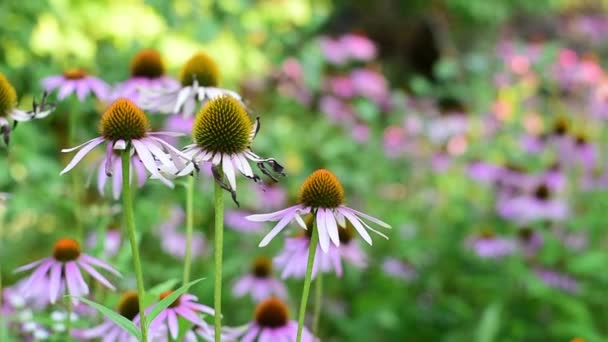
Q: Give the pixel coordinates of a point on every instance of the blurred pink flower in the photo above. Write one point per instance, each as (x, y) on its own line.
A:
(491, 246)
(370, 84)
(358, 47)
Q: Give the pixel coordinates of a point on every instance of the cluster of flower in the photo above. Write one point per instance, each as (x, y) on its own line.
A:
(222, 133)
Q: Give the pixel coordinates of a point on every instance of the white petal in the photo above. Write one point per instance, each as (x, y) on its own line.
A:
(229, 170)
(332, 227)
(322, 230)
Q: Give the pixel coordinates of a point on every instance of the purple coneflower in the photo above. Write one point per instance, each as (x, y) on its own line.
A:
(199, 79)
(271, 323)
(184, 306)
(294, 256)
(122, 126)
(62, 271)
(399, 269)
(322, 195)
(76, 81)
(223, 134)
(172, 241)
(488, 245)
(260, 283)
(147, 71)
(537, 204)
(8, 108)
(128, 307)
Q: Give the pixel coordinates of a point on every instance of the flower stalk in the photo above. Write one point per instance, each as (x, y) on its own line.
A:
(189, 228)
(312, 249)
(127, 201)
(219, 237)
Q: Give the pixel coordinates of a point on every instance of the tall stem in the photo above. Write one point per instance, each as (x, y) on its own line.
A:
(75, 176)
(189, 227)
(312, 249)
(68, 318)
(219, 241)
(127, 203)
(317, 310)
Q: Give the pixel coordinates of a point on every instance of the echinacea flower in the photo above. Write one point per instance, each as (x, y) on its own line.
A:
(223, 134)
(8, 108)
(76, 81)
(293, 259)
(488, 245)
(260, 283)
(128, 307)
(199, 80)
(272, 323)
(147, 71)
(537, 203)
(322, 195)
(186, 307)
(125, 126)
(172, 241)
(62, 271)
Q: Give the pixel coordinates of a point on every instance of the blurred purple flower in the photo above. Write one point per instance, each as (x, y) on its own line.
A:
(399, 269)
(359, 47)
(491, 246)
(539, 204)
(63, 269)
(269, 196)
(341, 86)
(529, 241)
(172, 241)
(333, 51)
(259, 282)
(370, 84)
(76, 81)
(336, 110)
(557, 280)
(111, 243)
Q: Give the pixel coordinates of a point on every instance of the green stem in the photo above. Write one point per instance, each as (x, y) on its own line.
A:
(317, 310)
(312, 249)
(189, 227)
(127, 203)
(219, 237)
(68, 318)
(75, 177)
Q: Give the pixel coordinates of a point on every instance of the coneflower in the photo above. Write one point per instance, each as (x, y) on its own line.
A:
(147, 71)
(259, 282)
(76, 81)
(8, 108)
(199, 80)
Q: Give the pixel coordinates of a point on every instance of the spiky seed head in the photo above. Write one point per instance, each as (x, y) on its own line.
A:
(74, 74)
(128, 305)
(147, 63)
(66, 250)
(561, 126)
(272, 313)
(322, 189)
(8, 96)
(223, 126)
(123, 120)
(262, 267)
(202, 68)
(167, 294)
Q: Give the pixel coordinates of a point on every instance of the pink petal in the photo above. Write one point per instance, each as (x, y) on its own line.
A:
(94, 261)
(91, 144)
(332, 227)
(273, 216)
(172, 323)
(55, 281)
(322, 230)
(95, 274)
(278, 228)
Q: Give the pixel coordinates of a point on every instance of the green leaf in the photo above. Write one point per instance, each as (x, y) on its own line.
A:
(124, 323)
(162, 287)
(163, 304)
(489, 324)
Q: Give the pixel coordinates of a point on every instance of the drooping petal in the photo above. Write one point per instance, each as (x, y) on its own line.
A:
(254, 330)
(356, 224)
(277, 229)
(322, 230)
(91, 144)
(66, 89)
(148, 161)
(277, 215)
(369, 218)
(30, 265)
(332, 227)
(55, 281)
(172, 323)
(73, 279)
(189, 315)
(229, 170)
(95, 274)
(94, 261)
